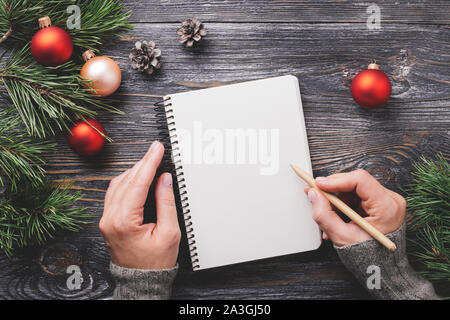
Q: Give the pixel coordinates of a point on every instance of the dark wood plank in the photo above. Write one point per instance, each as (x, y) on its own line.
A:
(351, 11)
(342, 136)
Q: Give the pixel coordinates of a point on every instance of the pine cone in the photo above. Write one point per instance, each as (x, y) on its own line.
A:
(145, 57)
(191, 31)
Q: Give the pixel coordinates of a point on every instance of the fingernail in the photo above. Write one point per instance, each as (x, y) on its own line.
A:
(154, 147)
(167, 179)
(312, 195)
(321, 179)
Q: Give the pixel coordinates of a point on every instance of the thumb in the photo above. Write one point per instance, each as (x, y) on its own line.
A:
(166, 210)
(325, 217)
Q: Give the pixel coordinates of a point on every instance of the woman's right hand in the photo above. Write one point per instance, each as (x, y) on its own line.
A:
(382, 208)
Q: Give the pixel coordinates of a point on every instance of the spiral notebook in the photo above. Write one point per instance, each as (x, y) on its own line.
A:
(232, 147)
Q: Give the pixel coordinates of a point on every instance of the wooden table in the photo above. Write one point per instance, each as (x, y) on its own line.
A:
(324, 43)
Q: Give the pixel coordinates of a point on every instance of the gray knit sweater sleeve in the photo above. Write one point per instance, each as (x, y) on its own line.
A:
(386, 274)
(137, 284)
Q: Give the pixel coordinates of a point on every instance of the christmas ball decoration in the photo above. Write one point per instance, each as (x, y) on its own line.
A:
(103, 73)
(371, 88)
(84, 139)
(51, 46)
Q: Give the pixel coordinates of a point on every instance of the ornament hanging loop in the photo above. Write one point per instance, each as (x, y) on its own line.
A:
(373, 65)
(87, 55)
(45, 22)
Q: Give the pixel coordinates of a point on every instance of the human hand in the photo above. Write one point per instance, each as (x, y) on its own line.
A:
(131, 243)
(381, 207)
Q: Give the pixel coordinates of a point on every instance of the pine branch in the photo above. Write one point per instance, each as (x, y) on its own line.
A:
(48, 98)
(20, 156)
(101, 20)
(45, 100)
(429, 195)
(16, 17)
(33, 215)
(429, 218)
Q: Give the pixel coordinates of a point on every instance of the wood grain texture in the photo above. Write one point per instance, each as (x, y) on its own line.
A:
(324, 43)
(286, 11)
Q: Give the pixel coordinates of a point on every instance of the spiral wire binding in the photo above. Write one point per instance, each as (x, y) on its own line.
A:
(167, 122)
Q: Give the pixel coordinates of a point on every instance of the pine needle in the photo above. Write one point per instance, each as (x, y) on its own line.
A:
(101, 20)
(48, 99)
(32, 215)
(44, 102)
(20, 155)
(16, 17)
(429, 219)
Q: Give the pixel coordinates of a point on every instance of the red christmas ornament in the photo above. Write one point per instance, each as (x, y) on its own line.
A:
(51, 46)
(371, 88)
(84, 139)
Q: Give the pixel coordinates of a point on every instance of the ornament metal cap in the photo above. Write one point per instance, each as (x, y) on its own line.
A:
(87, 55)
(45, 22)
(373, 66)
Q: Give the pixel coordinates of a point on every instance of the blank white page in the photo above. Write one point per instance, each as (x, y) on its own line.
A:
(245, 209)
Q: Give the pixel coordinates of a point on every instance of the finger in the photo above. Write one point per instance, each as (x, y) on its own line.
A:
(112, 191)
(166, 211)
(350, 198)
(118, 186)
(353, 201)
(358, 181)
(150, 163)
(400, 201)
(142, 174)
(145, 169)
(325, 217)
(306, 189)
(116, 182)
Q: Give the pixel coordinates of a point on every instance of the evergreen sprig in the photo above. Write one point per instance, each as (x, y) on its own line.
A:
(20, 155)
(39, 102)
(16, 17)
(101, 20)
(33, 214)
(429, 219)
(48, 98)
